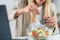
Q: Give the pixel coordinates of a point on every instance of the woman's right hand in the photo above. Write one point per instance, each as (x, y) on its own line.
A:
(31, 8)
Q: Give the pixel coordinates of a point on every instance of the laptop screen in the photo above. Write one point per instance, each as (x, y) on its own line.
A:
(5, 33)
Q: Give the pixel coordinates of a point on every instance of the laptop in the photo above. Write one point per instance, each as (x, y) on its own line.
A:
(5, 33)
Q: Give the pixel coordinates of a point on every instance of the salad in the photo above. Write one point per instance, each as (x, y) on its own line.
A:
(38, 34)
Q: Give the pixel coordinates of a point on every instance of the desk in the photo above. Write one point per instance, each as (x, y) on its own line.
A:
(55, 37)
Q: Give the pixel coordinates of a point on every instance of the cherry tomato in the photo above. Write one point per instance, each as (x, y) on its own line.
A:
(46, 33)
(34, 34)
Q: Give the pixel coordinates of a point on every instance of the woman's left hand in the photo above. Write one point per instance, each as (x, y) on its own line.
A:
(51, 21)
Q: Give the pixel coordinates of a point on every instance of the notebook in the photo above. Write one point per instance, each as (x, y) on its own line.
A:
(5, 33)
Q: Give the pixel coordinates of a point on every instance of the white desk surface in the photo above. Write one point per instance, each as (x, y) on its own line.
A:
(55, 37)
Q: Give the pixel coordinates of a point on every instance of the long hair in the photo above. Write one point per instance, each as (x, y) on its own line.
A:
(47, 8)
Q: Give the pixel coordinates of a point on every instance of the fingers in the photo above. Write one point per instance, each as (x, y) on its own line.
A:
(34, 9)
(52, 20)
(50, 24)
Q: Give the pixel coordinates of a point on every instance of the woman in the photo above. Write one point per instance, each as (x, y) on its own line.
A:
(34, 8)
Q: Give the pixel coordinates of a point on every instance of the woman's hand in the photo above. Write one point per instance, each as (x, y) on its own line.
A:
(31, 8)
(50, 22)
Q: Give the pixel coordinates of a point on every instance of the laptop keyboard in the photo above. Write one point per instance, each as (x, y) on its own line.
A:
(20, 39)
